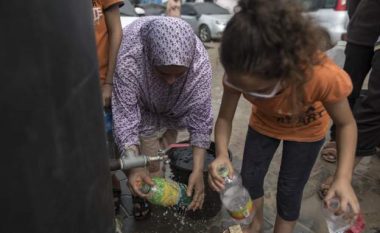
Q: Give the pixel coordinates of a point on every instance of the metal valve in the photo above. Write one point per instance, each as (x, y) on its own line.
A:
(132, 161)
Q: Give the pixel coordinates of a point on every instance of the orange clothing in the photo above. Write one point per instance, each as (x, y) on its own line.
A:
(101, 33)
(273, 117)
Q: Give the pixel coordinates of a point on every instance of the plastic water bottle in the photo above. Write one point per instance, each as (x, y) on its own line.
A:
(236, 198)
(229, 182)
(336, 223)
(166, 193)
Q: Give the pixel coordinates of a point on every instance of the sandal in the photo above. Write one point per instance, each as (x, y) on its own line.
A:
(141, 208)
(329, 152)
(325, 186)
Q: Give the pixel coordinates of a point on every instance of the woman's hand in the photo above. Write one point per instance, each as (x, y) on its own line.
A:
(196, 186)
(136, 178)
(215, 180)
(342, 189)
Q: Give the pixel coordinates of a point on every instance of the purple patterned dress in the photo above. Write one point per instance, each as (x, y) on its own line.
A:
(142, 103)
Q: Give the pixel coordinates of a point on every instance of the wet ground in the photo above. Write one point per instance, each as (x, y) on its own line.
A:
(366, 181)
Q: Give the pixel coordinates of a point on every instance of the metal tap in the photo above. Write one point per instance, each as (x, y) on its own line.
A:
(129, 161)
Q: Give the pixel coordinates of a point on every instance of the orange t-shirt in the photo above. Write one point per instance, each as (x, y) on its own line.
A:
(273, 117)
(101, 33)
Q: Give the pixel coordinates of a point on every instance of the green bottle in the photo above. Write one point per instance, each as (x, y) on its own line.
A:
(166, 193)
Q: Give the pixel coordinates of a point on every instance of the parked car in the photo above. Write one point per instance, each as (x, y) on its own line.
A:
(127, 13)
(227, 4)
(331, 15)
(152, 9)
(207, 19)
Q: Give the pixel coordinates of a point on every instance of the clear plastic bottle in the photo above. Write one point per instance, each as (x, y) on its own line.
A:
(336, 223)
(166, 193)
(236, 198)
(235, 180)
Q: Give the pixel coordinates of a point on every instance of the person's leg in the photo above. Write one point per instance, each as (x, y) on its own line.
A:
(258, 153)
(357, 65)
(149, 146)
(258, 220)
(113, 153)
(169, 137)
(367, 113)
(297, 162)
(352, 5)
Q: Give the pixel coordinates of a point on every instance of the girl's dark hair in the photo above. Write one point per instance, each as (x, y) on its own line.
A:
(273, 40)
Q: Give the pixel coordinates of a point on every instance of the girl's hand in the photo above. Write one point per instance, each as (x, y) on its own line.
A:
(215, 180)
(342, 189)
(196, 186)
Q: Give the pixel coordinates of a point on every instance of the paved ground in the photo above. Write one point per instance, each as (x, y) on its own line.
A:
(366, 182)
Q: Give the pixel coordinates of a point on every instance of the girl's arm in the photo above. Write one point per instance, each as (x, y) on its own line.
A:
(346, 137)
(223, 128)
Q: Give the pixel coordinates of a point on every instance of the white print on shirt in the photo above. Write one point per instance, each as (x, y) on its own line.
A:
(98, 14)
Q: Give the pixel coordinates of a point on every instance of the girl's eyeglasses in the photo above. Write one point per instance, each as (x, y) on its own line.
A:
(254, 94)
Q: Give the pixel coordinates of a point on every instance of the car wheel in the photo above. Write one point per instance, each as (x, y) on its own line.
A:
(204, 33)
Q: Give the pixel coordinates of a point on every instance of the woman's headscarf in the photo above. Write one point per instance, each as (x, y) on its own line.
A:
(169, 41)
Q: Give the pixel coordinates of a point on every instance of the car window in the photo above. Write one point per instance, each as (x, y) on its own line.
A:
(127, 9)
(310, 5)
(187, 10)
(330, 4)
(208, 8)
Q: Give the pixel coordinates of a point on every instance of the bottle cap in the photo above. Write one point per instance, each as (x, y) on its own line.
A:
(334, 204)
(223, 171)
(145, 188)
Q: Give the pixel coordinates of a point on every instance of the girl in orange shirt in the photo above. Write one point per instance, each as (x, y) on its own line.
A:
(270, 54)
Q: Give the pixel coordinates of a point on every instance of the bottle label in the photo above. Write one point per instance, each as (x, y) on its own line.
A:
(223, 171)
(184, 199)
(167, 192)
(243, 212)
